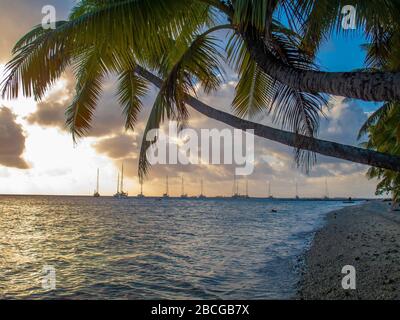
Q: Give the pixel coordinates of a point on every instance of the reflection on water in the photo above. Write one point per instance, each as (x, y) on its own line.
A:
(151, 249)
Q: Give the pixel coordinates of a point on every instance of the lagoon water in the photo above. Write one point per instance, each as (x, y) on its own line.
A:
(154, 249)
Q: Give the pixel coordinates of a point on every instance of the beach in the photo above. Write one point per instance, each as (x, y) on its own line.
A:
(365, 236)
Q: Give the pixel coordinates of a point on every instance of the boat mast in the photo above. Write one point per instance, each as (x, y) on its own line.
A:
(182, 188)
(97, 186)
(122, 178)
(201, 186)
(118, 184)
(141, 187)
(167, 187)
(326, 188)
(247, 187)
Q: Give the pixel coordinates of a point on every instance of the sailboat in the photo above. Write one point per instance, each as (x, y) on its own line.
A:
(236, 194)
(120, 186)
(201, 196)
(326, 197)
(183, 194)
(297, 191)
(270, 196)
(141, 195)
(247, 189)
(166, 194)
(96, 193)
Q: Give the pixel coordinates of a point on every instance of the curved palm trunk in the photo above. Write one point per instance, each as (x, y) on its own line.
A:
(327, 148)
(368, 86)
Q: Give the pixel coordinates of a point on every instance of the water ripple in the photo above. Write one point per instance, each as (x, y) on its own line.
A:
(149, 249)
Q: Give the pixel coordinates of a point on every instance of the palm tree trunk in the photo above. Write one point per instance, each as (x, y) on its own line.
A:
(327, 148)
(368, 86)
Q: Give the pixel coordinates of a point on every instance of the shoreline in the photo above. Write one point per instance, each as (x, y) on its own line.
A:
(366, 236)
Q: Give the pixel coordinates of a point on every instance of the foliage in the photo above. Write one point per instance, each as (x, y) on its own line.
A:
(174, 39)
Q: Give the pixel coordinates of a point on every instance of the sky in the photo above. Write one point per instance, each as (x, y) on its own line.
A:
(38, 156)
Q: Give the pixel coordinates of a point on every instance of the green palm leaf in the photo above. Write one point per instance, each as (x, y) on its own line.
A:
(131, 89)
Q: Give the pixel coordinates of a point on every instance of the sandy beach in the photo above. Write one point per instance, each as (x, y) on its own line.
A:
(365, 236)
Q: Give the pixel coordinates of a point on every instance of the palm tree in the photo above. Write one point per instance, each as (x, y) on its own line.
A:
(384, 159)
(173, 39)
(383, 126)
(383, 132)
(316, 20)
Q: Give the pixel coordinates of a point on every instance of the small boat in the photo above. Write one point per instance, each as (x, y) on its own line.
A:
(120, 187)
(274, 210)
(166, 194)
(350, 200)
(270, 196)
(96, 193)
(183, 194)
(201, 196)
(141, 194)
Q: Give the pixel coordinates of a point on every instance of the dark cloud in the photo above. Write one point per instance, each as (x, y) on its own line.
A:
(12, 141)
(51, 111)
(117, 147)
(48, 114)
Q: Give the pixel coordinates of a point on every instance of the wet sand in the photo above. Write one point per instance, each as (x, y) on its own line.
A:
(366, 236)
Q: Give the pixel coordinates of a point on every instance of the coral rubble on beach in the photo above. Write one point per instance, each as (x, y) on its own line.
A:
(366, 237)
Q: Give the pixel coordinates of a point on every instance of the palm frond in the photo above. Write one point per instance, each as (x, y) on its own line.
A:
(131, 88)
(159, 112)
(255, 88)
(190, 63)
(374, 118)
(37, 63)
(90, 74)
(197, 62)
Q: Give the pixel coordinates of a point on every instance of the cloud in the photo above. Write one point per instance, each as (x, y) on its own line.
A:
(117, 147)
(12, 141)
(272, 158)
(17, 17)
(343, 121)
(108, 118)
(50, 112)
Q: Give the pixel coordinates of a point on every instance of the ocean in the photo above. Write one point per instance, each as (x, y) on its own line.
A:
(106, 248)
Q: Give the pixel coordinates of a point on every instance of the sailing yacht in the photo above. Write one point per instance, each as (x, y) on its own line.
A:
(96, 193)
(236, 194)
(183, 194)
(201, 196)
(247, 189)
(120, 186)
(166, 194)
(141, 195)
(326, 197)
(270, 196)
(297, 191)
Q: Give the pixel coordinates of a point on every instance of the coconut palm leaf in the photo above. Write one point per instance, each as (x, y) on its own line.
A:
(378, 115)
(131, 88)
(196, 62)
(90, 72)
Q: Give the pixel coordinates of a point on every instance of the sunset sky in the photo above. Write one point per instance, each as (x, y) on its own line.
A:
(37, 154)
